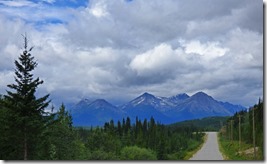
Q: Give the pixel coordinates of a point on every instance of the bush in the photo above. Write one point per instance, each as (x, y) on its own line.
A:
(137, 153)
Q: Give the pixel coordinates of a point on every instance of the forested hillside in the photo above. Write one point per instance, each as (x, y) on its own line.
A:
(139, 140)
(125, 140)
(204, 124)
(243, 132)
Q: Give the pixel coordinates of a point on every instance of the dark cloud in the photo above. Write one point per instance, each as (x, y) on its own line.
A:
(120, 49)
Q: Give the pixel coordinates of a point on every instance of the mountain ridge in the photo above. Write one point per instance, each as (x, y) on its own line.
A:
(166, 110)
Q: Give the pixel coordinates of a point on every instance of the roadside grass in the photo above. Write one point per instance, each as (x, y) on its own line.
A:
(196, 148)
(230, 150)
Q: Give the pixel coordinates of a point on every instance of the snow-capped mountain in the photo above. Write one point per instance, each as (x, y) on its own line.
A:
(165, 110)
(147, 106)
(160, 104)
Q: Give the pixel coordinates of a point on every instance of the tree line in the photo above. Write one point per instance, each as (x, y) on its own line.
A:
(246, 127)
(29, 131)
(213, 123)
(140, 140)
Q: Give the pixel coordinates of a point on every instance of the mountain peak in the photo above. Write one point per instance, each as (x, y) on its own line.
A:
(84, 102)
(144, 98)
(201, 95)
(147, 95)
(100, 102)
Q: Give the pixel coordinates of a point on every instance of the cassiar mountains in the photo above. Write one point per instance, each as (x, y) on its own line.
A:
(164, 110)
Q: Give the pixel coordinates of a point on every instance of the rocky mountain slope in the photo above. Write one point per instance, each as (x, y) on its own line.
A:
(165, 110)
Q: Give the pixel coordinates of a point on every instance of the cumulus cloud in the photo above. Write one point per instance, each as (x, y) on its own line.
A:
(98, 9)
(162, 63)
(209, 50)
(119, 49)
(155, 61)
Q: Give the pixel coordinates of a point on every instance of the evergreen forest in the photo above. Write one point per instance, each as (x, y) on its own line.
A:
(30, 130)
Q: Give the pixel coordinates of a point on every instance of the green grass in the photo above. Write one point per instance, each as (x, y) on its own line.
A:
(230, 150)
(195, 149)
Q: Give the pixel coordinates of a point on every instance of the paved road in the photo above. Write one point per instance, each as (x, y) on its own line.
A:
(210, 149)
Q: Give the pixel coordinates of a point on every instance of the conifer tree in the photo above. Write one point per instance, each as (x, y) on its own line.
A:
(119, 129)
(60, 136)
(27, 110)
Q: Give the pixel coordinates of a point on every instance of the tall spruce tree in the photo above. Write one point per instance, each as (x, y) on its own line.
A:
(27, 110)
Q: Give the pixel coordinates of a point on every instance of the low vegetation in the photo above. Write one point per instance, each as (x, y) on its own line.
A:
(232, 151)
(236, 138)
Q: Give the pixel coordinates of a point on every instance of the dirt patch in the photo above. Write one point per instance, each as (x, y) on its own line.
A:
(249, 151)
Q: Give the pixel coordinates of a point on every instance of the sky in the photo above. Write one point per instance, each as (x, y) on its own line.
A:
(119, 49)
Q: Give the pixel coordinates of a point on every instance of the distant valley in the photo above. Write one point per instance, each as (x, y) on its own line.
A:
(165, 110)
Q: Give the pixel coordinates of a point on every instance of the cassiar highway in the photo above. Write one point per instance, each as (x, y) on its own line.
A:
(210, 149)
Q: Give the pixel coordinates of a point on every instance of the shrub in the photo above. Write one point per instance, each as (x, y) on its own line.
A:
(137, 153)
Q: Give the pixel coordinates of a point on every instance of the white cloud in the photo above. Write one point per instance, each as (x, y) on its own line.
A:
(6, 77)
(151, 62)
(101, 57)
(119, 49)
(209, 50)
(246, 48)
(99, 9)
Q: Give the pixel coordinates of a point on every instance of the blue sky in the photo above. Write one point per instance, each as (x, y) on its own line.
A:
(67, 3)
(54, 3)
(117, 49)
(24, 9)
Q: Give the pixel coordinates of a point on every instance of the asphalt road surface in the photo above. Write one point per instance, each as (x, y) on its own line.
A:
(210, 149)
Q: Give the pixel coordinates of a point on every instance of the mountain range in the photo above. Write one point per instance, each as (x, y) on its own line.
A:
(165, 110)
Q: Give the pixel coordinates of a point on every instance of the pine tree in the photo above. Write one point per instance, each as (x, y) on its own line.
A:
(27, 110)
(127, 125)
(119, 131)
